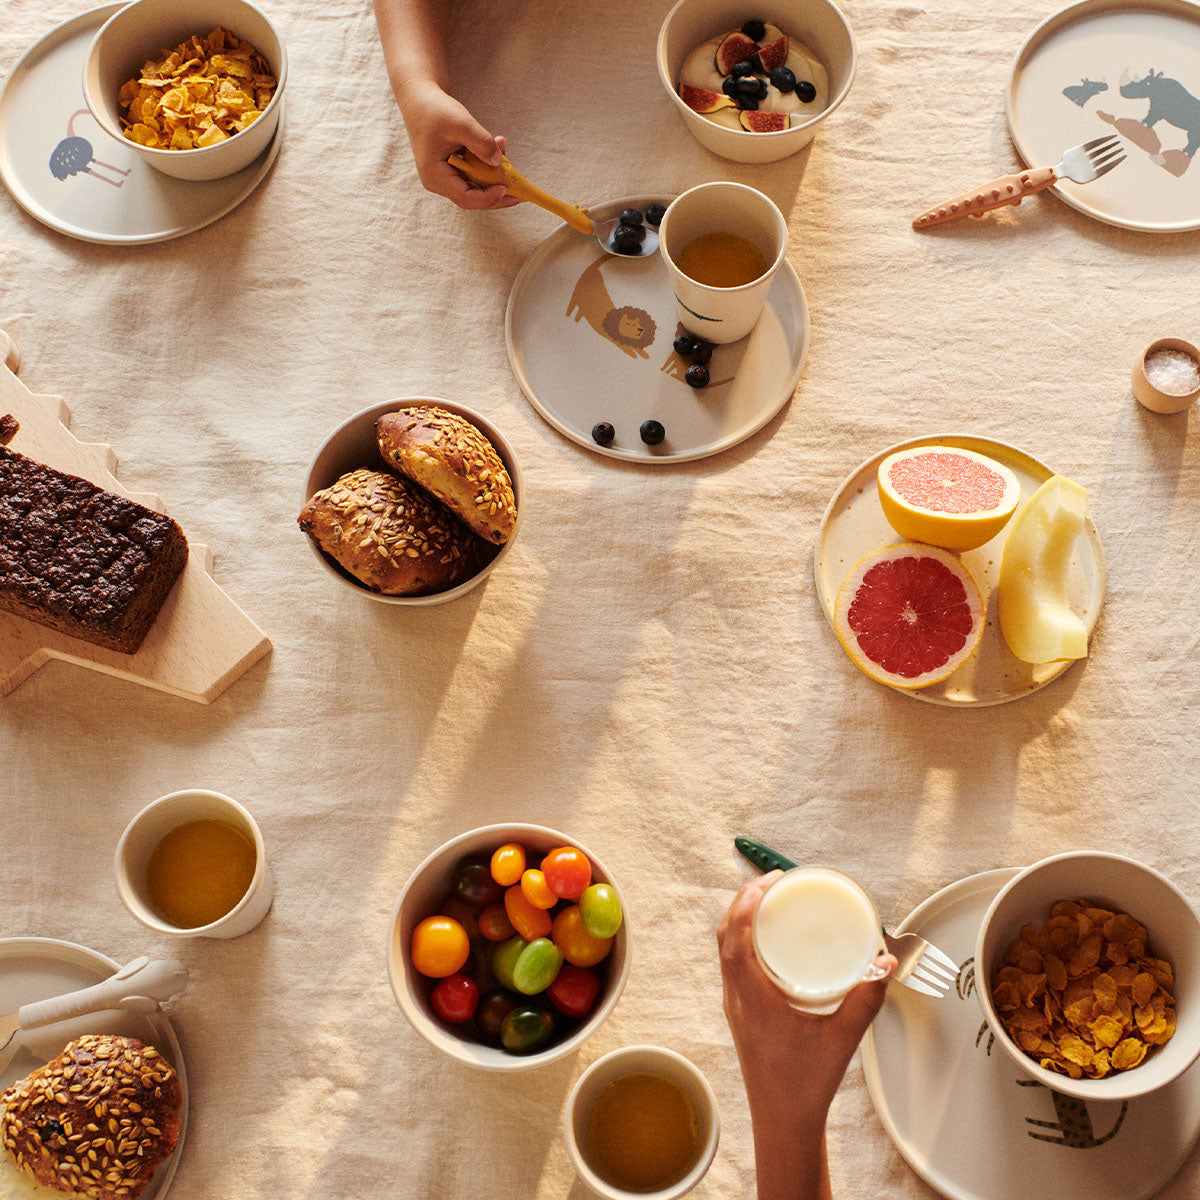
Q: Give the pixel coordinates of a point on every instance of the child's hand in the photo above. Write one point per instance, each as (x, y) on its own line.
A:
(438, 125)
(792, 1061)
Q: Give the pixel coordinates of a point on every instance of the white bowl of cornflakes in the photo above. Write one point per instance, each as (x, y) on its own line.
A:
(195, 86)
(1087, 969)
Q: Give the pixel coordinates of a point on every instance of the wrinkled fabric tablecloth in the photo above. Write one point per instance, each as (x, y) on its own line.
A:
(650, 669)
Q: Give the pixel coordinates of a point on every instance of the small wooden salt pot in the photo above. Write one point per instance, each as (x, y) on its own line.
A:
(1156, 398)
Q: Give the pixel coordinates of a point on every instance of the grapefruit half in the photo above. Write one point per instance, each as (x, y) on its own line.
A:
(909, 615)
(946, 497)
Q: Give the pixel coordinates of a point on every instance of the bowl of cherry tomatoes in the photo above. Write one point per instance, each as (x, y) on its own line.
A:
(508, 947)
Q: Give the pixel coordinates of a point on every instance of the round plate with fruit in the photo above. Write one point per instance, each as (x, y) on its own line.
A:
(594, 343)
(971, 575)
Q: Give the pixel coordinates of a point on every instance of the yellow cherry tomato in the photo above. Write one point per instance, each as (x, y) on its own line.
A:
(537, 890)
(508, 863)
(440, 947)
(572, 938)
(528, 920)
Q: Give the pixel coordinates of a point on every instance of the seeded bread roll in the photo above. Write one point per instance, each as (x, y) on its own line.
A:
(449, 457)
(390, 535)
(98, 1120)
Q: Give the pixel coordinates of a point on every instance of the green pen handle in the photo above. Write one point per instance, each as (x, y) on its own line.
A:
(766, 859)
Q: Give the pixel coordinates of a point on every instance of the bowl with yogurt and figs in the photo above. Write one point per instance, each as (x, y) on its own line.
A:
(753, 82)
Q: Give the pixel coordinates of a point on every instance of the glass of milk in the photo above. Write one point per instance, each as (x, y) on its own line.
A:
(816, 934)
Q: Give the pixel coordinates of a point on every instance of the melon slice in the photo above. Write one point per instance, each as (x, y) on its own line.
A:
(1036, 617)
(909, 615)
(952, 498)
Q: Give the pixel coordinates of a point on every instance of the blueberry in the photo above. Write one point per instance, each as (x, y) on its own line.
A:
(784, 79)
(696, 376)
(746, 104)
(701, 353)
(745, 67)
(755, 30)
(628, 239)
(729, 85)
(748, 85)
(655, 214)
(762, 89)
(631, 216)
(685, 344)
(652, 432)
(603, 433)
(805, 92)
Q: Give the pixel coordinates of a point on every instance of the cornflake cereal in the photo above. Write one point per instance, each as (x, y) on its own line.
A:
(200, 93)
(1081, 995)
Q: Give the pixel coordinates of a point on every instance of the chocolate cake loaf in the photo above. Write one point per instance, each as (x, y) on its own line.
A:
(79, 559)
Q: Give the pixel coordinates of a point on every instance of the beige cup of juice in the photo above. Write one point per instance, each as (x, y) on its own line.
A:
(722, 243)
(193, 864)
(641, 1121)
(816, 935)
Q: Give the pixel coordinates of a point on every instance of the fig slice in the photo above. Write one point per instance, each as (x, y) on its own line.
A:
(764, 122)
(735, 48)
(774, 54)
(701, 100)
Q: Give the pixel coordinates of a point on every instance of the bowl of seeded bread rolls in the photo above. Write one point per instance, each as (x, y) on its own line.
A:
(413, 501)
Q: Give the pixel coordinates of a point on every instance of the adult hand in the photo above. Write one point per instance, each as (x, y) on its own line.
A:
(438, 125)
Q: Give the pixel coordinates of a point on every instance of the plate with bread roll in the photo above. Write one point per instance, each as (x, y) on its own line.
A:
(93, 1107)
(413, 501)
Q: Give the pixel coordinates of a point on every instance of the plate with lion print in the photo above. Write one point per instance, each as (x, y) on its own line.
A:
(591, 341)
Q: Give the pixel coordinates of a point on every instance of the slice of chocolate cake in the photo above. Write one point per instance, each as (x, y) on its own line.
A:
(79, 559)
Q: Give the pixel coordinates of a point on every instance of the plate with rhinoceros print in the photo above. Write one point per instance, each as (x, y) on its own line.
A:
(591, 339)
(1129, 67)
(973, 1125)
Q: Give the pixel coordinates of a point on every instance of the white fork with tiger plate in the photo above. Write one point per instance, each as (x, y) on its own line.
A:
(1080, 164)
(137, 987)
(923, 967)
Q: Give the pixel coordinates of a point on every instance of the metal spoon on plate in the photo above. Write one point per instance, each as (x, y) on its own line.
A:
(478, 171)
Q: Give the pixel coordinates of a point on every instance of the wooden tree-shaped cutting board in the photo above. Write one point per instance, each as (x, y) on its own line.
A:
(201, 641)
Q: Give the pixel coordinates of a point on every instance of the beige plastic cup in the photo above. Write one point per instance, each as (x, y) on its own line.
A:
(152, 824)
(790, 915)
(716, 314)
(641, 1060)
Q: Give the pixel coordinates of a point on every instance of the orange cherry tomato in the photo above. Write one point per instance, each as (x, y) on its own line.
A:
(537, 891)
(508, 864)
(577, 945)
(529, 921)
(494, 923)
(439, 947)
(567, 871)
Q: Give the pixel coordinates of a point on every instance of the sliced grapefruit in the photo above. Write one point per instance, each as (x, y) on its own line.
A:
(952, 498)
(909, 615)
(1032, 596)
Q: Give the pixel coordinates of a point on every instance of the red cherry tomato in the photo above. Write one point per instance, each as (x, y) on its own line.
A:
(494, 924)
(508, 864)
(573, 991)
(455, 999)
(567, 871)
(529, 921)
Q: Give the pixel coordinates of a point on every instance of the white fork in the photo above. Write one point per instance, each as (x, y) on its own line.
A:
(923, 967)
(1080, 164)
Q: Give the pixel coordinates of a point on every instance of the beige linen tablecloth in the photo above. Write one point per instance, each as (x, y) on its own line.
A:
(650, 669)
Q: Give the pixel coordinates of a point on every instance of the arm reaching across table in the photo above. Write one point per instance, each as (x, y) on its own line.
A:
(412, 35)
(792, 1062)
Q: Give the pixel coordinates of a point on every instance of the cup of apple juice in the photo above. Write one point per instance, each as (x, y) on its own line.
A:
(817, 935)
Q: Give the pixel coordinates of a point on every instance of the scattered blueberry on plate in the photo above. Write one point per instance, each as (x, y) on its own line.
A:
(652, 432)
(684, 345)
(603, 433)
(701, 353)
(696, 376)
(655, 214)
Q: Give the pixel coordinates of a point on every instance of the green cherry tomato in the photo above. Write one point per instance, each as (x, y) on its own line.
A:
(567, 871)
(494, 1006)
(600, 910)
(473, 882)
(574, 991)
(504, 959)
(536, 966)
(526, 1030)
